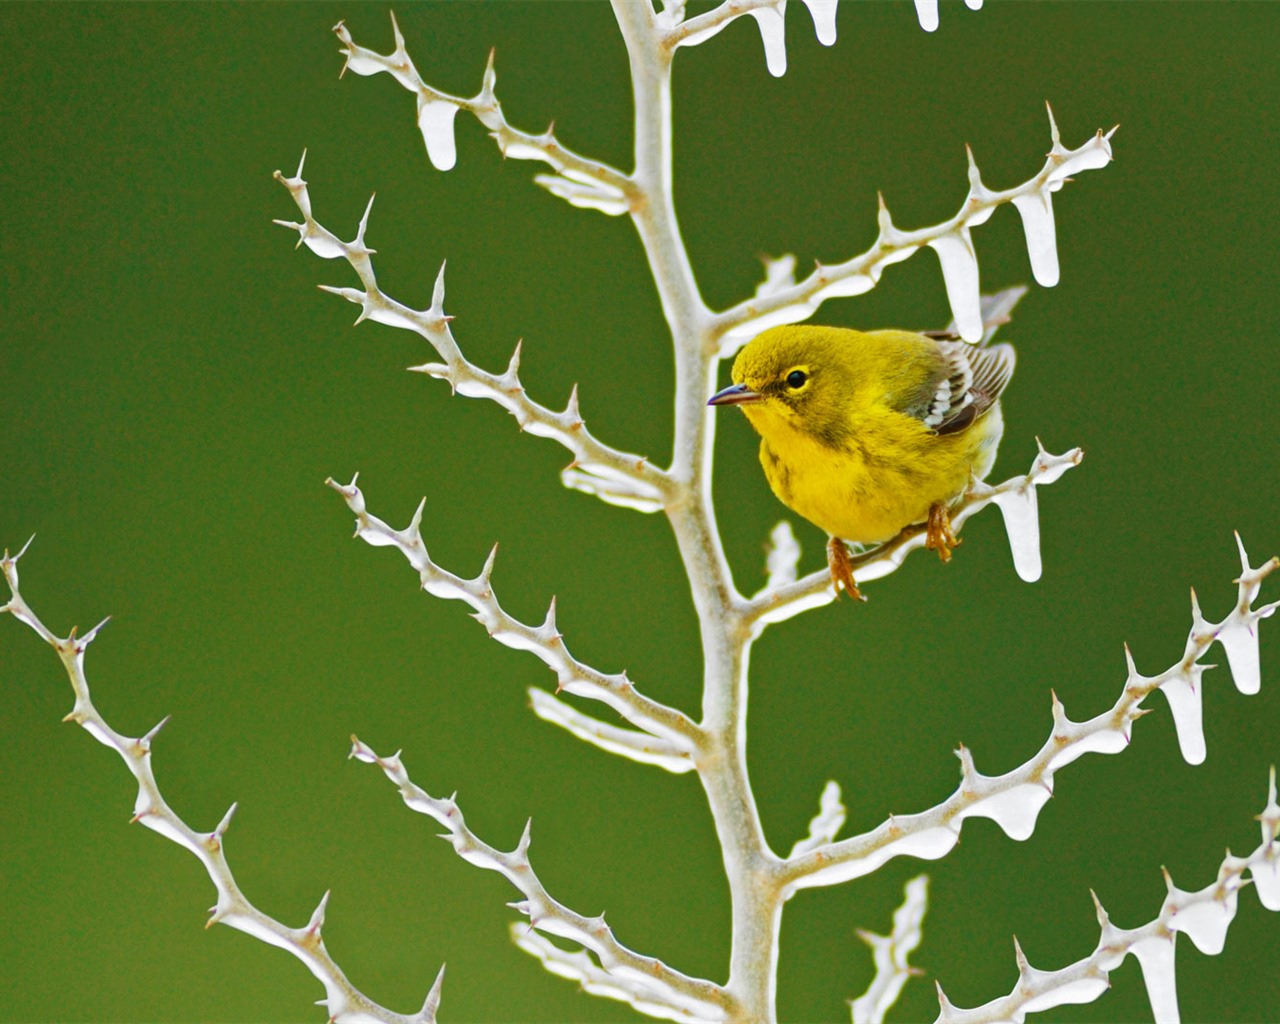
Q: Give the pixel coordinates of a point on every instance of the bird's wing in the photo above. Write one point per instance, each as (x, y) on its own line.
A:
(968, 383)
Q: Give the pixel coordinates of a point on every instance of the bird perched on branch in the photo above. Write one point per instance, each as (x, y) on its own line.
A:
(866, 433)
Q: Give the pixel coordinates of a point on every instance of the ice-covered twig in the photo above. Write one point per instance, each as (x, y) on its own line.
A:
(436, 111)
(950, 240)
(343, 1001)
(997, 310)
(1016, 498)
(647, 979)
(1203, 915)
(675, 756)
(615, 476)
(543, 641)
(927, 12)
(1013, 800)
(890, 953)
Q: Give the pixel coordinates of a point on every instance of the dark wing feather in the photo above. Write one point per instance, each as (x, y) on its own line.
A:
(969, 383)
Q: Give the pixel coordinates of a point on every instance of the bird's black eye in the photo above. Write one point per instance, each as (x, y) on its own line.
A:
(796, 378)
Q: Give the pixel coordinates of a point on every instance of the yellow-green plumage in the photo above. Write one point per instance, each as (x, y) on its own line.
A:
(884, 425)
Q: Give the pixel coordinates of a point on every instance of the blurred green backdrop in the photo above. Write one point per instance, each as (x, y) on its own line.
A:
(176, 390)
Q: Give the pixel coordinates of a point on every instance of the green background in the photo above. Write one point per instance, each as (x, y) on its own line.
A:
(175, 390)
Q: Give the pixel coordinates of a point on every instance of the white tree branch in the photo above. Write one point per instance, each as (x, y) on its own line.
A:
(343, 1001)
(890, 953)
(650, 980)
(675, 756)
(770, 18)
(544, 641)
(1016, 498)
(577, 965)
(1014, 800)
(623, 478)
(950, 240)
(436, 111)
(1204, 915)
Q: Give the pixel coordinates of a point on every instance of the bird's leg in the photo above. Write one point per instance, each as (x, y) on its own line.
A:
(939, 537)
(842, 569)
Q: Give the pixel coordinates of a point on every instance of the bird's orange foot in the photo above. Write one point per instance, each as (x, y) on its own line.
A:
(939, 537)
(842, 569)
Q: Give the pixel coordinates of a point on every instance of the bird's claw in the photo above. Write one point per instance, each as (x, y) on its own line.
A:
(939, 536)
(841, 566)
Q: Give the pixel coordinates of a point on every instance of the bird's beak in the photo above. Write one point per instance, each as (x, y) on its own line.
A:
(735, 394)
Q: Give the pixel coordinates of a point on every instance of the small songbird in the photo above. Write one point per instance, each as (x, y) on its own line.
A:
(866, 433)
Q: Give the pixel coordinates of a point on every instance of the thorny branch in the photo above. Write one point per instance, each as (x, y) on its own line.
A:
(617, 476)
(682, 996)
(544, 641)
(1013, 800)
(1204, 915)
(342, 999)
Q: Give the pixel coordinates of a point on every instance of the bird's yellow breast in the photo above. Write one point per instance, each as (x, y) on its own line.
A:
(884, 476)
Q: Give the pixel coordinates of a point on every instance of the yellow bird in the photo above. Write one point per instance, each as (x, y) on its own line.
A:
(866, 433)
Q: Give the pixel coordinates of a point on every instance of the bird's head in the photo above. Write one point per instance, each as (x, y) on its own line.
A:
(800, 377)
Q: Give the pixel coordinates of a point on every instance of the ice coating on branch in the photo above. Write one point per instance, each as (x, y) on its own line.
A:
(997, 310)
(824, 19)
(1241, 644)
(435, 121)
(1204, 916)
(772, 24)
(927, 14)
(1021, 515)
(1238, 631)
(1092, 155)
(858, 284)
(1014, 807)
(1184, 696)
(926, 844)
(1155, 955)
(1036, 210)
(320, 242)
(1064, 991)
(960, 274)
